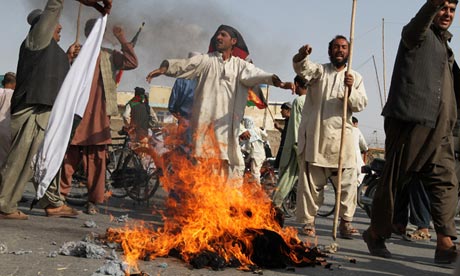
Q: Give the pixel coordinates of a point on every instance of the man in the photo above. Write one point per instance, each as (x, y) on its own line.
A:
(138, 114)
(320, 133)
(42, 67)
(420, 115)
(9, 84)
(180, 104)
(285, 113)
(360, 148)
(220, 97)
(289, 165)
(92, 134)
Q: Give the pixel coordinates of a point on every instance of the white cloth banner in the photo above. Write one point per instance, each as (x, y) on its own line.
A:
(71, 99)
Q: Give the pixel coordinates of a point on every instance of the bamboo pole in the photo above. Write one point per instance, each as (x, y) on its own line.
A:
(344, 122)
(77, 36)
(384, 65)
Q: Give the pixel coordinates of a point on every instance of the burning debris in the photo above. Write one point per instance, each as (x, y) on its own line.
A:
(112, 267)
(214, 221)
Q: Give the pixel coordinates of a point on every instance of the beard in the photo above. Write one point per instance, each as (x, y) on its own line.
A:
(337, 63)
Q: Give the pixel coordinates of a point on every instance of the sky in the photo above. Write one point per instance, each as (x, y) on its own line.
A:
(273, 30)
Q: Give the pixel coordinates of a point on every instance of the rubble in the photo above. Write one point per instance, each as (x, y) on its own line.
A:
(112, 267)
(90, 224)
(82, 249)
(3, 248)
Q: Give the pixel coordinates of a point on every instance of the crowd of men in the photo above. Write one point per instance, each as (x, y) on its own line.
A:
(209, 99)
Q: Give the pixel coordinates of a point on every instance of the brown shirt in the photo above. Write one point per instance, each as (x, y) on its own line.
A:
(94, 128)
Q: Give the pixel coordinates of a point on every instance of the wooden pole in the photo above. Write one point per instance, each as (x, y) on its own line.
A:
(265, 111)
(378, 82)
(78, 24)
(384, 66)
(344, 122)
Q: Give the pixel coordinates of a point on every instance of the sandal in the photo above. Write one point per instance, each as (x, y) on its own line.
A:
(17, 215)
(92, 209)
(417, 235)
(346, 230)
(309, 230)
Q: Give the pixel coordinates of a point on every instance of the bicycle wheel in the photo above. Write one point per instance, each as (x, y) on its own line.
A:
(146, 188)
(128, 172)
(289, 203)
(328, 206)
(369, 195)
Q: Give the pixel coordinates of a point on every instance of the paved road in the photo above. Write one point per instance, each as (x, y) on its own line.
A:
(29, 244)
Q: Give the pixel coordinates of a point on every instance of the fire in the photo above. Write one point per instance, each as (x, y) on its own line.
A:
(211, 216)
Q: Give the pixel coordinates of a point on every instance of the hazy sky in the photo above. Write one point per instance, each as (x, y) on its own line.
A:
(273, 30)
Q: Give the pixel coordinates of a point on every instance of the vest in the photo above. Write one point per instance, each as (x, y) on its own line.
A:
(40, 75)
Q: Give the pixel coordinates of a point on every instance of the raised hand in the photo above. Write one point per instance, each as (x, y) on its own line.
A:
(103, 9)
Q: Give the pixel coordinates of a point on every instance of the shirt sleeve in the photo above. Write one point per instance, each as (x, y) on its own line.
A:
(252, 76)
(189, 68)
(357, 99)
(41, 34)
(127, 114)
(125, 60)
(308, 69)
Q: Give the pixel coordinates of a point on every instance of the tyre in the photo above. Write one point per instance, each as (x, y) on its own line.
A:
(369, 195)
(145, 189)
(127, 173)
(328, 206)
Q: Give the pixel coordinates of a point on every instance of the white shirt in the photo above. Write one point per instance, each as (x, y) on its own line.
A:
(219, 101)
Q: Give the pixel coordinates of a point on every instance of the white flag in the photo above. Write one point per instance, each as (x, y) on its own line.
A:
(71, 99)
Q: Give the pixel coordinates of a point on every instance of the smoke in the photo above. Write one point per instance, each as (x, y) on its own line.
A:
(172, 29)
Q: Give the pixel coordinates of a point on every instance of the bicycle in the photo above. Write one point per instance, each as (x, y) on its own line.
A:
(127, 172)
(326, 209)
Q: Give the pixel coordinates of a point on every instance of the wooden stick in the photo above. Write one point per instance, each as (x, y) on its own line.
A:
(378, 82)
(384, 66)
(344, 122)
(78, 24)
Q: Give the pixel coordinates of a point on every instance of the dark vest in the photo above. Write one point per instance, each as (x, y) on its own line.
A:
(415, 90)
(40, 75)
(140, 115)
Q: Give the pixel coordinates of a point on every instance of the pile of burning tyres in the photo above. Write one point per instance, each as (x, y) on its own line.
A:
(215, 222)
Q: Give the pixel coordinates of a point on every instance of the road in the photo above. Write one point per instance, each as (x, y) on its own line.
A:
(30, 245)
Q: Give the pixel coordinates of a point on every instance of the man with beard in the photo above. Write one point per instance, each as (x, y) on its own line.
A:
(420, 115)
(220, 97)
(320, 131)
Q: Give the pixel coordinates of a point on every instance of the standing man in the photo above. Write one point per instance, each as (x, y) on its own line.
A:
(92, 134)
(420, 115)
(220, 96)
(320, 133)
(42, 67)
(289, 165)
(138, 114)
(285, 113)
(360, 148)
(9, 84)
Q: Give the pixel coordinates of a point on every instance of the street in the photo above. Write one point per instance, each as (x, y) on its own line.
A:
(29, 247)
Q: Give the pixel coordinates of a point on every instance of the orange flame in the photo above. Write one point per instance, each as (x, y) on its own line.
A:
(213, 214)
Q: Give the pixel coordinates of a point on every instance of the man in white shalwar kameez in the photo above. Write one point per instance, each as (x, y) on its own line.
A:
(220, 97)
(320, 133)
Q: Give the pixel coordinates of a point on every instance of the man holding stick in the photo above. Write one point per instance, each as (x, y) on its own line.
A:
(420, 115)
(320, 131)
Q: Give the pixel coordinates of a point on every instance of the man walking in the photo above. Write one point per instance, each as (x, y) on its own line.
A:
(420, 115)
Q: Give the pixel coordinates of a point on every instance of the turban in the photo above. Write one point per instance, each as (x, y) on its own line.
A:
(239, 50)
